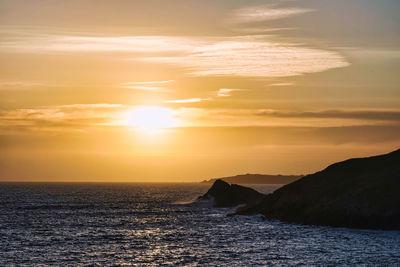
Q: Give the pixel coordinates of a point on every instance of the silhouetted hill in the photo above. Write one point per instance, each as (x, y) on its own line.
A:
(358, 193)
(257, 179)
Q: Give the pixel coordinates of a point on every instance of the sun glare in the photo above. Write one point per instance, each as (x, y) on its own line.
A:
(152, 119)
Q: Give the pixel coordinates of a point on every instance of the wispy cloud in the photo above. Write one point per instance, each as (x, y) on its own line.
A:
(19, 85)
(144, 88)
(281, 84)
(87, 106)
(83, 116)
(147, 86)
(264, 13)
(53, 117)
(225, 92)
(380, 115)
(153, 82)
(259, 30)
(222, 92)
(189, 100)
(42, 42)
(254, 56)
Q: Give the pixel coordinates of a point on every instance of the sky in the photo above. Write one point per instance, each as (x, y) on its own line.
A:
(186, 90)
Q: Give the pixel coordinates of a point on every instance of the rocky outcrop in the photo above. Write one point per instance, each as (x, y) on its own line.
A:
(356, 193)
(257, 179)
(226, 195)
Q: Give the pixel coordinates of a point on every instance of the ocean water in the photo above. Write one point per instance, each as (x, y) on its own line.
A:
(158, 224)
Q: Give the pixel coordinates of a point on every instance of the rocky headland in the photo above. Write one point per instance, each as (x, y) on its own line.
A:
(356, 193)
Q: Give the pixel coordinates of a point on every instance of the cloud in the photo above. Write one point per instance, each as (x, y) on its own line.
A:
(19, 85)
(79, 117)
(40, 42)
(147, 86)
(260, 30)
(53, 117)
(323, 118)
(222, 92)
(255, 56)
(153, 82)
(225, 92)
(86, 106)
(281, 84)
(189, 100)
(264, 13)
(249, 56)
(381, 115)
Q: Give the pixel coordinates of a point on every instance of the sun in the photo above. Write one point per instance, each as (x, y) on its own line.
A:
(152, 118)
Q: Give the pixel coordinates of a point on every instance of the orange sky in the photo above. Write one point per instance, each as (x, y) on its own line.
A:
(183, 90)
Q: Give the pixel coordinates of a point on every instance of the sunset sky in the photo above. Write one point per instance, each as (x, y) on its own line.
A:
(184, 90)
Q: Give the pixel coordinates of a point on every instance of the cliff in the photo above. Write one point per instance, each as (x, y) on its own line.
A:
(356, 193)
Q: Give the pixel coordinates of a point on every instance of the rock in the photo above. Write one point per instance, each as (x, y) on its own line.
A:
(226, 195)
(356, 193)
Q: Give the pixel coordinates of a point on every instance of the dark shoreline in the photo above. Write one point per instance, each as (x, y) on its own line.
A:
(359, 193)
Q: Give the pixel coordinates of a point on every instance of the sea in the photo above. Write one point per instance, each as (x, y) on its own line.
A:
(139, 224)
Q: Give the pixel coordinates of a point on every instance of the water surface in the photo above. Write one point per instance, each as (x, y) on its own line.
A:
(152, 224)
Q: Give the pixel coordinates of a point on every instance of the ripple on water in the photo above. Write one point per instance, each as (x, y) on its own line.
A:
(147, 225)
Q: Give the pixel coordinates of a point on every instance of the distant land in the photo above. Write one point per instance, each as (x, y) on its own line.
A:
(356, 193)
(257, 179)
